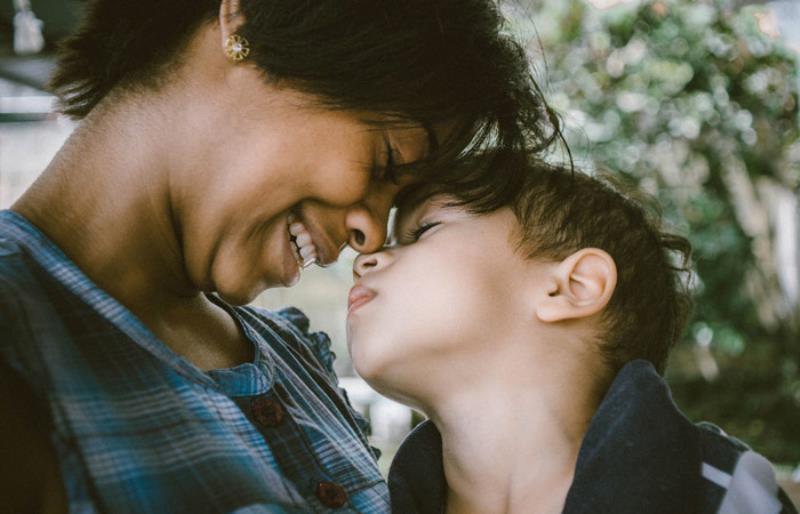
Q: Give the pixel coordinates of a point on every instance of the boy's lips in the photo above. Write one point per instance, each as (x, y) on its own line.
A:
(359, 295)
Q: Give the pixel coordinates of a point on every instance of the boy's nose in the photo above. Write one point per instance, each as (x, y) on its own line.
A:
(368, 262)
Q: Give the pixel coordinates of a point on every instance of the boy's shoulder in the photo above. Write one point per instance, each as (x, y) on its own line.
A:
(735, 476)
(732, 477)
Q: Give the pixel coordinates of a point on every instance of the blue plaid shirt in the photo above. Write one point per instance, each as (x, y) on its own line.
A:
(139, 429)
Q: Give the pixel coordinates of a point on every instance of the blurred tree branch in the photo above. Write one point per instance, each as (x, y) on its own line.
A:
(696, 104)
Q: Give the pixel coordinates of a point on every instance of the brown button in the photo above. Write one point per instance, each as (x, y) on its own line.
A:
(331, 495)
(268, 412)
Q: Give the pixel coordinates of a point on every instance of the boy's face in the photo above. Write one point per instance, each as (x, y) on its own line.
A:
(440, 299)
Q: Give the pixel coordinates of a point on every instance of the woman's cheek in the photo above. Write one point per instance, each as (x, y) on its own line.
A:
(341, 188)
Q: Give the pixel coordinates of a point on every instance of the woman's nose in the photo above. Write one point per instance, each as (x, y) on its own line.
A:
(366, 222)
(369, 262)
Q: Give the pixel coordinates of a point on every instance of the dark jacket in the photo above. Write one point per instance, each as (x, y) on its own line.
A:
(640, 456)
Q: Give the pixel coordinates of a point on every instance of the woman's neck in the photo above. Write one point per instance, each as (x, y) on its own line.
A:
(510, 444)
(106, 201)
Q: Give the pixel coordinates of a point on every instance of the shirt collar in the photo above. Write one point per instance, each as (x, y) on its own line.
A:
(640, 454)
(244, 379)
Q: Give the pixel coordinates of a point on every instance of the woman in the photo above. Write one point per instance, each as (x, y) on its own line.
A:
(223, 145)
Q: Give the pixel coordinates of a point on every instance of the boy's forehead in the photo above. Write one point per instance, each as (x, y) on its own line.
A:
(413, 200)
(416, 200)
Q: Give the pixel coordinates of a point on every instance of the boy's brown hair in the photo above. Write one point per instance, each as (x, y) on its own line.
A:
(561, 211)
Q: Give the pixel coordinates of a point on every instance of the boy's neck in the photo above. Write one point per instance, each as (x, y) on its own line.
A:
(511, 437)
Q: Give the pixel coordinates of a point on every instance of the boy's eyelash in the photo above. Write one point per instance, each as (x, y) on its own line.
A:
(414, 234)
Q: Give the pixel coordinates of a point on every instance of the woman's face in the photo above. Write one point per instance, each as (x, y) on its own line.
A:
(261, 155)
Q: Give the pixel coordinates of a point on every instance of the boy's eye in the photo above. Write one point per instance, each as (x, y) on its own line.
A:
(414, 234)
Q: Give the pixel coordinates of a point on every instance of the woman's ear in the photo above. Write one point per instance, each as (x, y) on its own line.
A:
(578, 287)
(230, 19)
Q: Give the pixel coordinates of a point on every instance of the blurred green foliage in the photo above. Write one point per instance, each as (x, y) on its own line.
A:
(690, 100)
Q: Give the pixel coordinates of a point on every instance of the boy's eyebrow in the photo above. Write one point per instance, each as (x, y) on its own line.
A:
(405, 215)
(409, 201)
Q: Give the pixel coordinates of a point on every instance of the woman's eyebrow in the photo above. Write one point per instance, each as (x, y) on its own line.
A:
(433, 141)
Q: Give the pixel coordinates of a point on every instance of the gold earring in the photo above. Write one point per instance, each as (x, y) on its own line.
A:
(236, 47)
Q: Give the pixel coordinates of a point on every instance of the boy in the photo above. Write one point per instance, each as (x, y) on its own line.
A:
(532, 328)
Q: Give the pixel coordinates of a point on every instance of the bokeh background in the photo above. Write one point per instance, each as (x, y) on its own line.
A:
(694, 101)
(697, 102)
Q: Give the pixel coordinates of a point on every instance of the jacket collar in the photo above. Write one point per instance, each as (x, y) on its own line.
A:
(640, 454)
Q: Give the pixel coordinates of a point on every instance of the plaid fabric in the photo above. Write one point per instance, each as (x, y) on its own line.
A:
(139, 429)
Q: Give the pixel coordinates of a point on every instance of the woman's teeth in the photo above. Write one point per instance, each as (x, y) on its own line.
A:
(305, 251)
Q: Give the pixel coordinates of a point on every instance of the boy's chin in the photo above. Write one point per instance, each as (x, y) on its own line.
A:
(395, 392)
(370, 372)
(390, 380)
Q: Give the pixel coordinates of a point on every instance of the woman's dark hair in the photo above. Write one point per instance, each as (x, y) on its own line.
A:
(423, 61)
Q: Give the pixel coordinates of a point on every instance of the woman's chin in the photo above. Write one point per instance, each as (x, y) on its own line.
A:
(237, 298)
(291, 277)
(241, 290)
(237, 293)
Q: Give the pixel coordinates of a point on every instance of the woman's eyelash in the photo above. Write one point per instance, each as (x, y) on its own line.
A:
(416, 233)
(387, 171)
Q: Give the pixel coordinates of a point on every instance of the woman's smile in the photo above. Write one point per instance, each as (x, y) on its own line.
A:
(302, 243)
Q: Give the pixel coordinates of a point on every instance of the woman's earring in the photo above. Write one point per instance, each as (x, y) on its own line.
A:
(236, 47)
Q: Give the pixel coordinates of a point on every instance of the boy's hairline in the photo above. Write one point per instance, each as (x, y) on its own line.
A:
(519, 242)
(523, 240)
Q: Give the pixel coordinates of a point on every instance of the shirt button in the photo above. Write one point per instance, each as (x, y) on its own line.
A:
(331, 495)
(268, 412)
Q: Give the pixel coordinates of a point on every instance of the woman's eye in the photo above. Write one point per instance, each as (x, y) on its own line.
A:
(387, 172)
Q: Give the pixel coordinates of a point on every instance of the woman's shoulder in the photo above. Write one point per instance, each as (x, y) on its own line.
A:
(289, 336)
(36, 486)
(26, 433)
(288, 330)
(22, 279)
(16, 275)
(23, 301)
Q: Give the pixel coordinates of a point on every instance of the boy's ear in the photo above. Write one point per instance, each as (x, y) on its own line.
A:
(578, 287)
